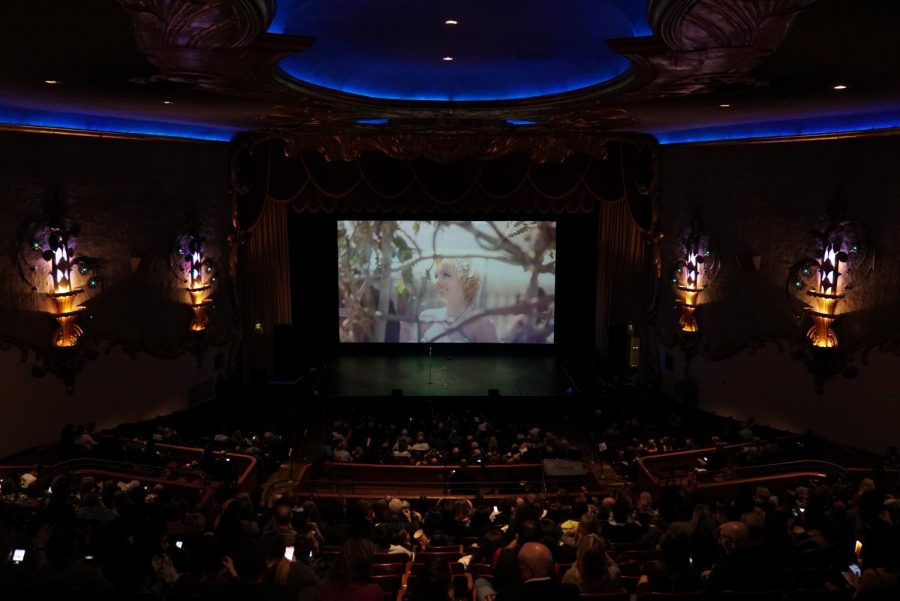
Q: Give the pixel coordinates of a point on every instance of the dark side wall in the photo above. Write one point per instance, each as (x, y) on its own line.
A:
(765, 199)
(131, 198)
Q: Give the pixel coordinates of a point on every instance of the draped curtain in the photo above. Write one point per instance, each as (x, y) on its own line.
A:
(622, 265)
(618, 184)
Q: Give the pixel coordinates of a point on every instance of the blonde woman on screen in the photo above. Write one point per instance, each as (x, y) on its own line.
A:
(459, 320)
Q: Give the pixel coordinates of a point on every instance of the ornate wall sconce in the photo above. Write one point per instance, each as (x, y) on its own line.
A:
(198, 274)
(827, 278)
(47, 262)
(696, 269)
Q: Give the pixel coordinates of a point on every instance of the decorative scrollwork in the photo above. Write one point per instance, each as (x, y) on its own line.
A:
(222, 46)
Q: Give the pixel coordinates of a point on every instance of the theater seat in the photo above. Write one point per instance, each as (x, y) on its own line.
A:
(621, 595)
(844, 594)
(774, 595)
(688, 596)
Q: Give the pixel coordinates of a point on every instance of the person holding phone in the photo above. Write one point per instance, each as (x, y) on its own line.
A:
(880, 562)
(283, 574)
(163, 574)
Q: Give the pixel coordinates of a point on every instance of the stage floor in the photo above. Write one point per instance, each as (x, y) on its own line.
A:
(443, 375)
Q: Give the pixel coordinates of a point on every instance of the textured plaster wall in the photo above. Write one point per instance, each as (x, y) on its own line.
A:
(130, 198)
(764, 199)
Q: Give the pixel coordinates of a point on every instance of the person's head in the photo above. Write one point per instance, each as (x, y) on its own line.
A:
(354, 562)
(456, 281)
(590, 557)
(621, 510)
(535, 561)
(435, 583)
(733, 536)
(645, 501)
(529, 531)
(755, 521)
(676, 551)
(587, 524)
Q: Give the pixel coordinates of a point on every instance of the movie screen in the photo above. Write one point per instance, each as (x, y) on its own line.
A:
(447, 281)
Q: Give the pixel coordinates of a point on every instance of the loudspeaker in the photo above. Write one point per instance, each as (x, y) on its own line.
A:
(396, 392)
(624, 347)
(634, 353)
(493, 392)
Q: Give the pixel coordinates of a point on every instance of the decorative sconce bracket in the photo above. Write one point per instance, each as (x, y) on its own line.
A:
(197, 273)
(817, 285)
(696, 268)
(47, 263)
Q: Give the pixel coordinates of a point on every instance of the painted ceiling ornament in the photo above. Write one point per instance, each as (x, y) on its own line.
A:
(696, 268)
(295, 55)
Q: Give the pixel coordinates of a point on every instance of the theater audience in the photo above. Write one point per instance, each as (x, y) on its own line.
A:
(736, 541)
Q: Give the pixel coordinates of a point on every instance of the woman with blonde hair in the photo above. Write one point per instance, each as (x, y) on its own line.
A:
(459, 320)
(593, 571)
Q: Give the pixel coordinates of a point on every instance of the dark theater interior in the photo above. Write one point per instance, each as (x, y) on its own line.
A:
(279, 316)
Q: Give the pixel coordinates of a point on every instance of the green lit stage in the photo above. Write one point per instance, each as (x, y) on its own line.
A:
(444, 375)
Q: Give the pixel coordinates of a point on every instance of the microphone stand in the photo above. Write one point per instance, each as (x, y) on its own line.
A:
(429, 364)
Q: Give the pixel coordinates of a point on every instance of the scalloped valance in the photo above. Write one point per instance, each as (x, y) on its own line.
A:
(374, 182)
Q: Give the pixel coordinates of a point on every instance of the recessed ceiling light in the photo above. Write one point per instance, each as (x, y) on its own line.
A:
(451, 22)
(724, 106)
(839, 86)
(447, 58)
(167, 102)
(52, 82)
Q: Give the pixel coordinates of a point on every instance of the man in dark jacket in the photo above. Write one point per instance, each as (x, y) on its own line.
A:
(536, 569)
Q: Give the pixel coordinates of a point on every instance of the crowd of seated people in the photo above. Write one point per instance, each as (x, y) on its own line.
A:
(101, 535)
(445, 439)
(633, 431)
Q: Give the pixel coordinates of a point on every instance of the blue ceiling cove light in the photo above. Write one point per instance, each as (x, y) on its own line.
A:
(520, 122)
(839, 124)
(10, 115)
(372, 121)
(501, 49)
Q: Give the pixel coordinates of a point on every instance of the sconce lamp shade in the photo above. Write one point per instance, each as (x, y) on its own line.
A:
(696, 268)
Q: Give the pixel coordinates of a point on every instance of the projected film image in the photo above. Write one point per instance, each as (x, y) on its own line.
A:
(447, 281)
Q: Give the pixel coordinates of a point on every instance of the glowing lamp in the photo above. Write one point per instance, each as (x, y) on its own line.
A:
(52, 266)
(828, 277)
(694, 271)
(196, 272)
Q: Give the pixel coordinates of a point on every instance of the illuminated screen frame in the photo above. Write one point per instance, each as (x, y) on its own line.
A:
(476, 282)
